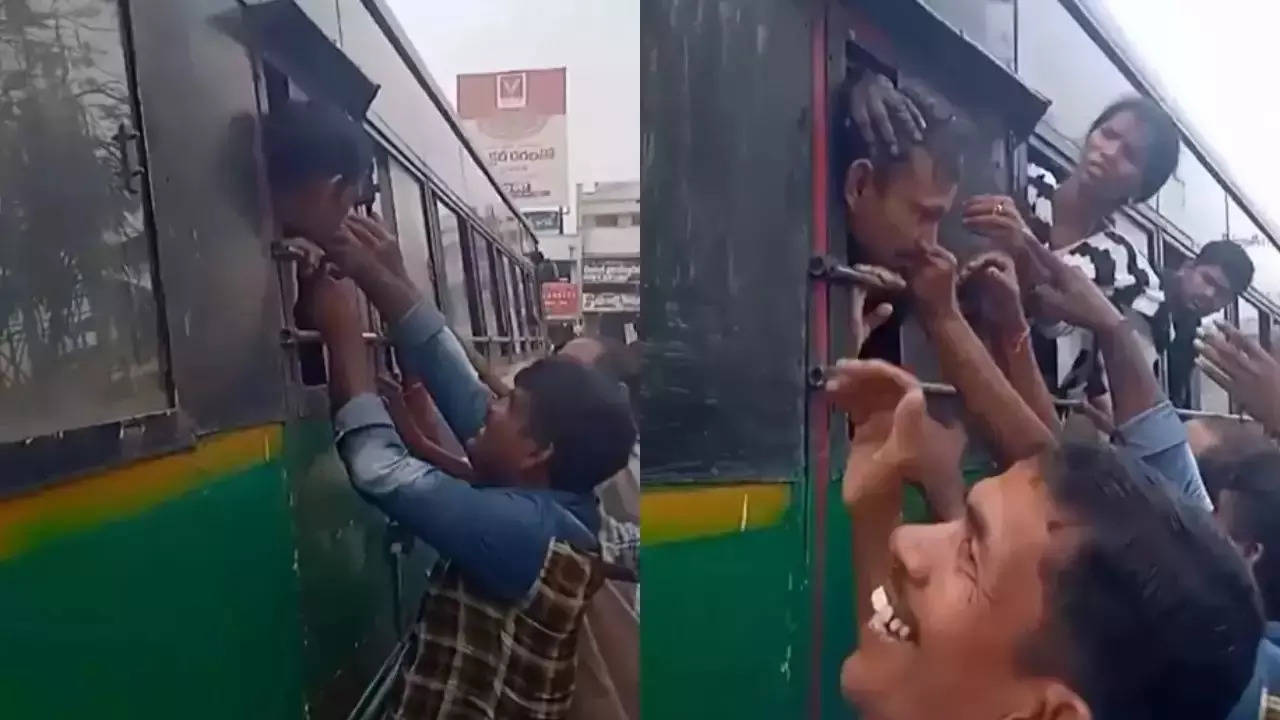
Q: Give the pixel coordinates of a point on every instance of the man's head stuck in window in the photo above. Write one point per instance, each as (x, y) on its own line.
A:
(564, 426)
(319, 164)
(1075, 587)
(895, 203)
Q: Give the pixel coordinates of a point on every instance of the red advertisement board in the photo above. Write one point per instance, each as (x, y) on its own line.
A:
(560, 299)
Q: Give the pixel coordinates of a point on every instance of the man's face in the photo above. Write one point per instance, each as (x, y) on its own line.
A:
(971, 592)
(315, 210)
(892, 223)
(503, 450)
(1204, 289)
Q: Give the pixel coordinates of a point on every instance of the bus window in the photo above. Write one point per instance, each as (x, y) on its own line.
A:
(79, 321)
(484, 275)
(518, 320)
(457, 287)
(502, 281)
(411, 227)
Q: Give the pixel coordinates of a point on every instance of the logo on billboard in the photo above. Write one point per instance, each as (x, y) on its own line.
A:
(516, 121)
(513, 91)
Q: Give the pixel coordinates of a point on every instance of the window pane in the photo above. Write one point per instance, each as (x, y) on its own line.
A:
(513, 301)
(517, 305)
(455, 274)
(79, 340)
(504, 291)
(411, 227)
(485, 276)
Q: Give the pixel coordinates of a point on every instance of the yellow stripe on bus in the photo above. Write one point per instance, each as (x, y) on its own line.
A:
(80, 504)
(672, 514)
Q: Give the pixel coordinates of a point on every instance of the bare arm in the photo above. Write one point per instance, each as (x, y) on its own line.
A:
(993, 279)
(1014, 429)
(1073, 298)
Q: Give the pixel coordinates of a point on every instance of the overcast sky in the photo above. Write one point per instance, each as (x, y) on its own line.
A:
(1216, 58)
(597, 40)
(1210, 56)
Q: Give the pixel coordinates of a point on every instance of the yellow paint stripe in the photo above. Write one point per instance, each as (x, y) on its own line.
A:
(671, 514)
(84, 503)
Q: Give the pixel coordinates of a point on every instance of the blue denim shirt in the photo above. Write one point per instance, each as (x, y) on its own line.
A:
(497, 537)
(1266, 678)
(1157, 437)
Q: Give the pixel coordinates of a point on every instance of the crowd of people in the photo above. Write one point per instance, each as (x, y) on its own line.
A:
(1120, 573)
(1131, 574)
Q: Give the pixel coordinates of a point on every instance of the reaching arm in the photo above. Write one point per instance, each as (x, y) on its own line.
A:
(1013, 428)
(993, 278)
(420, 444)
(370, 255)
(1145, 420)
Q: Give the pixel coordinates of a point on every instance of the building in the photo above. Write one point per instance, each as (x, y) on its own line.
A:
(1073, 53)
(609, 229)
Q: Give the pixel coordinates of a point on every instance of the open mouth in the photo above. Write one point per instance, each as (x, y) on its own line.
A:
(887, 622)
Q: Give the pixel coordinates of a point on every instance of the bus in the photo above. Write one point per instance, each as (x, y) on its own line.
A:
(177, 536)
(746, 547)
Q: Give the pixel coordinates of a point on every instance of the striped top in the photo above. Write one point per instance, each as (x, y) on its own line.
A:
(1110, 260)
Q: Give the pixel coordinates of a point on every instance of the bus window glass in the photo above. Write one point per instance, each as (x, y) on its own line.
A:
(485, 276)
(411, 227)
(455, 275)
(79, 324)
(521, 329)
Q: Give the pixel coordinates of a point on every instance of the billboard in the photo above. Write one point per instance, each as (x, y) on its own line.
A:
(611, 302)
(610, 271)
(516, 120)
(559, 300)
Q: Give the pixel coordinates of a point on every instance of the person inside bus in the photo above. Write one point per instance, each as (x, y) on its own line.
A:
(895, 197)
(1242, 472)
(1072, 586)
(1130, 151)
(319, 164)
(498, 625)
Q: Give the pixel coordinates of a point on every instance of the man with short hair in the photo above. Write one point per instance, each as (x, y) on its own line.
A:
(1243, 476)
(319, 166)
(1220, 272)
(520, 560)
(1072, 586)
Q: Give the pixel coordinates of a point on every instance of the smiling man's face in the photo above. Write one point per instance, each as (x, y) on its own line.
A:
(962, 600)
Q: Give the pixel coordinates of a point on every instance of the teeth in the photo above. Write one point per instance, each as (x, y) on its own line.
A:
(880, 599)
(883, 619)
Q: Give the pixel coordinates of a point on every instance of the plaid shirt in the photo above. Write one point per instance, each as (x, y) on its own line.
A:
(472, 658)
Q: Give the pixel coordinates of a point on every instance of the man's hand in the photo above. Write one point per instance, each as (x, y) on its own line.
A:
(363, 245)
(330, 305)
(1243, 368)
(864, 322)
(933, 283)
(1070, 296)
(872, 101)
(993, 283)
(927, 453)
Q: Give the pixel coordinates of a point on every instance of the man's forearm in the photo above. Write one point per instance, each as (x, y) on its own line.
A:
(1134, 389)
(1015, 430)
(391, 294)
(423, 446)
(350, 374)
(1019, 365)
